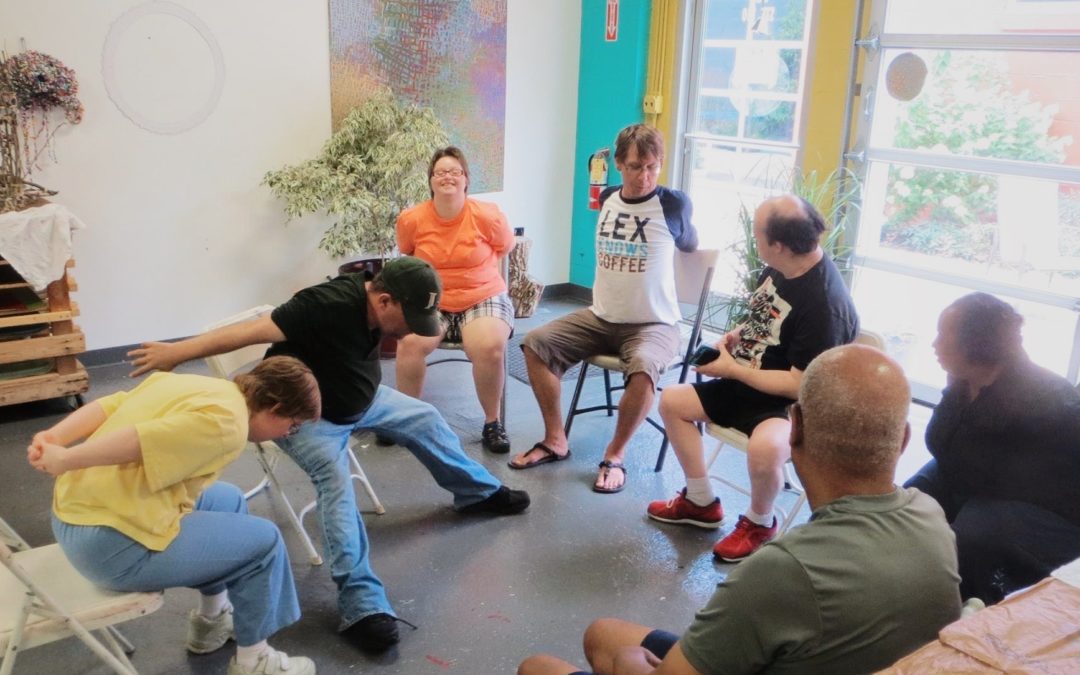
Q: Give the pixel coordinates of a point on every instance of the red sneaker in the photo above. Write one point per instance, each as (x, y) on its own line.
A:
(679, 509)
(746, 538)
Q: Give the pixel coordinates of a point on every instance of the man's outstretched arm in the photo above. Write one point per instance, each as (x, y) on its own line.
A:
(167, 355)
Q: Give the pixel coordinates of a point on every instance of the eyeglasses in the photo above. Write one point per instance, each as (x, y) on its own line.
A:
(441, 173)
(636, 167)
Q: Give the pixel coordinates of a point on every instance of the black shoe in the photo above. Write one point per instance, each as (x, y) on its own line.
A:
(374, 633)
(504, 502)
(494, 438)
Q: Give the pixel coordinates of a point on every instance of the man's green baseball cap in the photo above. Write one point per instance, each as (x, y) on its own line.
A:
(416, 286)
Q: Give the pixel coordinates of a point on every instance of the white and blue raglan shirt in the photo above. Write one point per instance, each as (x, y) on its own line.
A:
(635, 255)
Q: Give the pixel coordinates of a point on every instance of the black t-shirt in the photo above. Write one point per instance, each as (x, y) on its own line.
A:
(326, 327)
(1019, 439)
(793, 320)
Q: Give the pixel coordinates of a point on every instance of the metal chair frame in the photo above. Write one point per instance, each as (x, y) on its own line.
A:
(268, 453)
(46, 599)
(739, 441)
(693, 277)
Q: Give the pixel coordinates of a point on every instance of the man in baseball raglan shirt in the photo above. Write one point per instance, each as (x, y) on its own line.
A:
(634, 311)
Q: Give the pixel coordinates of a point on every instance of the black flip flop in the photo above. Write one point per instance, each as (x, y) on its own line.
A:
(549, 456)
(609, 465)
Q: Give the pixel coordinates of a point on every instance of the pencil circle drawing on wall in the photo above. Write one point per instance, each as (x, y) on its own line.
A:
(163, 67)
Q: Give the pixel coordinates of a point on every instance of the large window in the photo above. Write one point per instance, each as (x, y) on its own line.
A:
(741, 127)
(968, 144)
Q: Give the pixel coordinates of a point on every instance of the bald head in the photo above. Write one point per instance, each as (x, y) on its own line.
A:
(791, 221)
(854, 401)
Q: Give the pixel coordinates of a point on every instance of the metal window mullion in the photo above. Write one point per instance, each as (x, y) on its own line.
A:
(732, 43)
(762, 94)
(728, 140)
(1011, 42)
(1002, 167)
(940, 275)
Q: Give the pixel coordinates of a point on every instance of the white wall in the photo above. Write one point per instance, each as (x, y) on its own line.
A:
(180, 231)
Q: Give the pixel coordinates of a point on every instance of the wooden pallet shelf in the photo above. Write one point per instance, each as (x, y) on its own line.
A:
(60, 340)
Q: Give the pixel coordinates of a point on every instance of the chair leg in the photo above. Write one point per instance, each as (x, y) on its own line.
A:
(359, 475)
(607, 389)
(298, 526)
(574, 400)
(129, 648)
(663, 455)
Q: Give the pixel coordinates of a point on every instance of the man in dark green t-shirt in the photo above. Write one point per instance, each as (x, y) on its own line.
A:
(870, 578)
(335, 328)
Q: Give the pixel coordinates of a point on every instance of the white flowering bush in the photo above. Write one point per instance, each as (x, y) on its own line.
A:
(967, 108)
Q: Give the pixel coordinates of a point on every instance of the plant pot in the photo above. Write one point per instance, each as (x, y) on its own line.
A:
(369, 267)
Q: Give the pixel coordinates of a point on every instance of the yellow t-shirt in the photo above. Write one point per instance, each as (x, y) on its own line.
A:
(189, 426)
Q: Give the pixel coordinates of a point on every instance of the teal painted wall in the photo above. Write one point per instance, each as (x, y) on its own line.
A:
(611, 86)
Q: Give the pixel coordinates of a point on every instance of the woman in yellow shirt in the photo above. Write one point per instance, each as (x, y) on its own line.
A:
(136, 506)
(463, 239)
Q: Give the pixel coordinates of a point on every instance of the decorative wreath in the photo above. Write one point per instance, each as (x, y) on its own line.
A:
(41, 82)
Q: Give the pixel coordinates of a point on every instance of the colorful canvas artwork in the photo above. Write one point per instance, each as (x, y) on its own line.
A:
(447, 54)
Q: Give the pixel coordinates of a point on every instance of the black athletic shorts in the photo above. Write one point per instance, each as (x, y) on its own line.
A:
(731, 403)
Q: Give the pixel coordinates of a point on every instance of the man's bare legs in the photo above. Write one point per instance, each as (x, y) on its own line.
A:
(634, 406)
(766, 452)
(547, 388)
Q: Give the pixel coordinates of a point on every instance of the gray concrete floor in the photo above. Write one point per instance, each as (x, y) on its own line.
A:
(484, 592)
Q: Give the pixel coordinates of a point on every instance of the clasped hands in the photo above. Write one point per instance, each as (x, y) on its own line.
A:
(45, 454)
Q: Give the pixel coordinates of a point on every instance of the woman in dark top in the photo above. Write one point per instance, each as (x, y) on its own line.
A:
(1006, 445)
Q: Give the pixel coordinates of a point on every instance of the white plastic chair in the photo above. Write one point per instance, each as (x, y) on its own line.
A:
(693, 277)
(268, 453)
(44, 599)
(738, 440)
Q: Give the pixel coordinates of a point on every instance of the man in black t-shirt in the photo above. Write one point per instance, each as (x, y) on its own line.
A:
(800, 309)
(335, 329)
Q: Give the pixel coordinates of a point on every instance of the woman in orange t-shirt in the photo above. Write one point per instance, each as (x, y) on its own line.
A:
(463, 239)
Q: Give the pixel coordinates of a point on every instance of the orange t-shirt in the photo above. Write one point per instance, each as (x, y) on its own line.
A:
(464, 250)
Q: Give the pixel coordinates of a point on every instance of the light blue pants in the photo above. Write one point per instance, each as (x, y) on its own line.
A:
(219, 548)
(319, 449)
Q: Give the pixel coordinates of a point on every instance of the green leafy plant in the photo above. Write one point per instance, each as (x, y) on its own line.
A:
(967, 108)
(836, 197)
(370, 170)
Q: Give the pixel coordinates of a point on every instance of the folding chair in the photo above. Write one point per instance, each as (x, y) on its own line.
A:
(738, 440)
(459, 347)
(693, 276)
(268, 453)
(44, 599)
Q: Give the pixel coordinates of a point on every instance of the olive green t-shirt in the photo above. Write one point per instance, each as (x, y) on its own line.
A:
(868, 580)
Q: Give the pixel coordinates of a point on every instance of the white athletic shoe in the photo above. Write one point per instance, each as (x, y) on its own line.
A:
(209, 635)
(273, 662)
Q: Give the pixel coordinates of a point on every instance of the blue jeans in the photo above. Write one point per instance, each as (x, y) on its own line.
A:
(320, 449)
(219, 548)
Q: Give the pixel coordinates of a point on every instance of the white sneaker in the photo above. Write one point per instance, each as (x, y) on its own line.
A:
(209, 635)
(273, 662)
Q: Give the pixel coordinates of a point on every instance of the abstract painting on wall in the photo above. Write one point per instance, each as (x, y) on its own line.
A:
(446, 54)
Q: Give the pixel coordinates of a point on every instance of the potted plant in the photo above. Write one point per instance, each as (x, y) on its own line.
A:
(836, 197)
(371, 169)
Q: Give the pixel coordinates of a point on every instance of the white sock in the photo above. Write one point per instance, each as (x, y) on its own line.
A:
(699, 491)
(763, 519)
(247, 657)
(211, 606)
